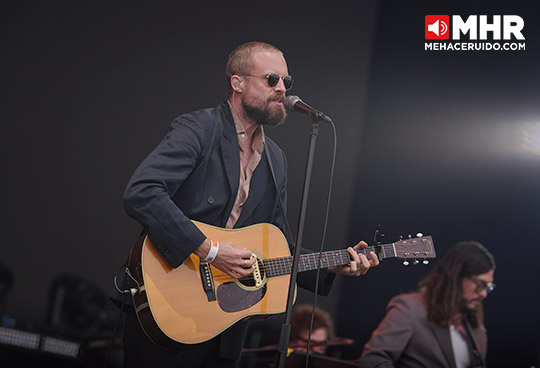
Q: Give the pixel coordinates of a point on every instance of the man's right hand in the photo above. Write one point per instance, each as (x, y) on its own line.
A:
(231, 259)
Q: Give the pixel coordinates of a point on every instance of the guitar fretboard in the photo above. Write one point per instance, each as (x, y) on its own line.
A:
(308, 262)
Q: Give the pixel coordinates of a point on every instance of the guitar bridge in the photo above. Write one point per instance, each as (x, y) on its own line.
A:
(207, 280)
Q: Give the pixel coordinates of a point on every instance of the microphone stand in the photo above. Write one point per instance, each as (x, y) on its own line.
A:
(286, 327)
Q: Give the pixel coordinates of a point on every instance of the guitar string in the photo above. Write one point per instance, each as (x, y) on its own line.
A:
(282, 265)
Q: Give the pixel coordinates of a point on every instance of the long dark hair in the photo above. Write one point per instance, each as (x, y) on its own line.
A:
(443, 287)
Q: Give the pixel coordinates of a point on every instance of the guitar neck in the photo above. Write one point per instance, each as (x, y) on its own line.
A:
(308, 262)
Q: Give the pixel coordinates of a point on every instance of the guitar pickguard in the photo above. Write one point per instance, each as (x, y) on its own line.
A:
(232, 298)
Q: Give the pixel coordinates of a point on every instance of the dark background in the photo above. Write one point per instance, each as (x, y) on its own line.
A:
(442, 142)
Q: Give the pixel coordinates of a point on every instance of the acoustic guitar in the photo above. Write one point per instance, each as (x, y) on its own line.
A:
(195, 302)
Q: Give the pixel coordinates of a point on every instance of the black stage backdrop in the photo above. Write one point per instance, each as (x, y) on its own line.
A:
(441, 142)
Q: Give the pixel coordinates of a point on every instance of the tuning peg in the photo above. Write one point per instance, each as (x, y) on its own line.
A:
(401, 237)
(415, 262)
(419, 235)
(405, 263)
(425, 262)
(410, 236)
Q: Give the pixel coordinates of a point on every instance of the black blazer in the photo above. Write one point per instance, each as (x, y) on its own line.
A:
(193, 174)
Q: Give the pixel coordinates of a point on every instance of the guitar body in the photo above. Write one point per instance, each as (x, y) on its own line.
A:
(195, 302)
(173, 306)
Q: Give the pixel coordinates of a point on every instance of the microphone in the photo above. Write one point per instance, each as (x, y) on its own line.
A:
(294, 103)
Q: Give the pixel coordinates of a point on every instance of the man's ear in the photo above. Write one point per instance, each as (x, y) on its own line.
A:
(237, 83)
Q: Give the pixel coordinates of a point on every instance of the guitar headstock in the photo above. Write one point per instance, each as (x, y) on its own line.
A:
(416, 249)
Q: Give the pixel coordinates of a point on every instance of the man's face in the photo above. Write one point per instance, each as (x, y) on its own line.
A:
(318, 336)
(262, 103)
(475, 289)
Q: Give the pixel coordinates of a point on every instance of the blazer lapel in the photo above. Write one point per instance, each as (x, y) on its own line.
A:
(231, 156)
(443, 337)
(257, 188)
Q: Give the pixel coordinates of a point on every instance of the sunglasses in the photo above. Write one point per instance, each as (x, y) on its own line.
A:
(273, 80)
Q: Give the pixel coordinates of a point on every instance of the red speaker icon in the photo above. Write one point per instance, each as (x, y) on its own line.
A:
(437, 27)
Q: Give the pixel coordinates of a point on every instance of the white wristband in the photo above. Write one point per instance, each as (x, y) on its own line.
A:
(212, 253)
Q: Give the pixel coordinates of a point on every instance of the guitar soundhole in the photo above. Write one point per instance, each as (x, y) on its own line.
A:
(251, 281)
(247, 282)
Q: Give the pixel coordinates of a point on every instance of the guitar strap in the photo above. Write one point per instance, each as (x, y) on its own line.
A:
(285, 220)
(474, 345)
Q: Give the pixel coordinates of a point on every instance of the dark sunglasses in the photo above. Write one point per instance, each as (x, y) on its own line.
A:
(273, 80)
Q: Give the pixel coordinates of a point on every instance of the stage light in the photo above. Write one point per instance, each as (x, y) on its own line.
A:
(19, 339)
(34, 341)
(60, 346)
(530, 138)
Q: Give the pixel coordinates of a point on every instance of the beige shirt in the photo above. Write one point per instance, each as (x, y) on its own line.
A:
(249, 159)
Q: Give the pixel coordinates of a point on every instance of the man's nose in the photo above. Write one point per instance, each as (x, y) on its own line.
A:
(484, 293)
(280, 86)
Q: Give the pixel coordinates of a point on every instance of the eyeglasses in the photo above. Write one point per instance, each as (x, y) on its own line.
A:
(273, 80)
(482, 285)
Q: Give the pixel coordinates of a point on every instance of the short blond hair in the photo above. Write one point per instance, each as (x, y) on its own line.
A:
(240, 60)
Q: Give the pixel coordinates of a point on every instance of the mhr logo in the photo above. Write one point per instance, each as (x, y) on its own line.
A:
(438, 27)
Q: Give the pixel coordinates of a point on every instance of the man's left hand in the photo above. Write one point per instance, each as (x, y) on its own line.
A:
(359, 264)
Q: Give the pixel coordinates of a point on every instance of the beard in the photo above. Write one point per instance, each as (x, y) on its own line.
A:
(466, 305)
(266, 115)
